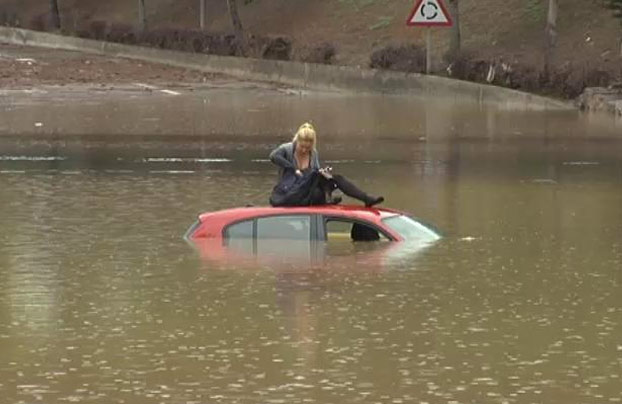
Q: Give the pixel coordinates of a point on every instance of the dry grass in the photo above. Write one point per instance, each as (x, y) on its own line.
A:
(511, 31)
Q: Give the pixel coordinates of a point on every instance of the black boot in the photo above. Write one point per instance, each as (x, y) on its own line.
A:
(353, 191)
(374, 201)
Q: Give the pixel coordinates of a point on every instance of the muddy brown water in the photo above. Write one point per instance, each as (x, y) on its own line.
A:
(101, 301)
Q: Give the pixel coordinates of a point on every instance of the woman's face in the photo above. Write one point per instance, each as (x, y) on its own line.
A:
(304, 146)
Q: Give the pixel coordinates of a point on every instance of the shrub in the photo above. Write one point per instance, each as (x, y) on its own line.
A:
(278, 48)
(563, 81)
(8, 18)
(121, 33)
(94, 30)
(322, 53)
(406, 58)
(40, 22)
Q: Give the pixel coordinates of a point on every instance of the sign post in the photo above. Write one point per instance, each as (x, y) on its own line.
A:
(428, 50)
(429, 13)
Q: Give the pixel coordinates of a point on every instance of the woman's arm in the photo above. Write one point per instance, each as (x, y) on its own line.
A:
(279, 157)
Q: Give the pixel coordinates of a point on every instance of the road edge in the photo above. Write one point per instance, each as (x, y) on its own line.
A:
(306, 75)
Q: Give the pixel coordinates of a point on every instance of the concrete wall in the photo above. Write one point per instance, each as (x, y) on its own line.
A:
(306, 75)
(598, 99)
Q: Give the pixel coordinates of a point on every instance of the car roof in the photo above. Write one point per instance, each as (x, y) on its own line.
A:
(347, 211)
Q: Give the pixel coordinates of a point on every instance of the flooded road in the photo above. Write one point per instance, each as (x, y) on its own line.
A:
(101, 301)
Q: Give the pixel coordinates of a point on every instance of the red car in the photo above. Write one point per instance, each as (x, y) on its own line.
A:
(309, 223)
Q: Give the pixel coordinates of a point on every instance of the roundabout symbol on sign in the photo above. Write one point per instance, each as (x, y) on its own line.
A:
(429, 13)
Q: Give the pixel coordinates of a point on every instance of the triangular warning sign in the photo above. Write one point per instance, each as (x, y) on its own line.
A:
(429, 13)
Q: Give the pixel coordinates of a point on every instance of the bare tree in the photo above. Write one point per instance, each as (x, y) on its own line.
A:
(616, 6)
(203, 8)
(454, 35)
(550, 36)
(54, 14)
(142, 16)
(237, 26)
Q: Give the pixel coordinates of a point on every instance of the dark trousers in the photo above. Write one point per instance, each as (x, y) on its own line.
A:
(327, 186)
(314, 189)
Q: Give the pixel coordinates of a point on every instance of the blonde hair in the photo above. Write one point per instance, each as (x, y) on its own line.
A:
(306, 133)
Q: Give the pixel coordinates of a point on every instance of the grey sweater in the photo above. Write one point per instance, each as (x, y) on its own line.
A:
(283, 157)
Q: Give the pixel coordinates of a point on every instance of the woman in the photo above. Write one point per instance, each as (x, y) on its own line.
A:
(301, 180)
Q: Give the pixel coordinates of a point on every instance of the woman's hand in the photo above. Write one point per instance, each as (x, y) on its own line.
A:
(326, 172)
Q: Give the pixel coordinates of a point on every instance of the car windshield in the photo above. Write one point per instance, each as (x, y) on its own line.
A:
(411, 229)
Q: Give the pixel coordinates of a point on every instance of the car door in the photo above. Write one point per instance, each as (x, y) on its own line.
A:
(338, 228)
(286, 236)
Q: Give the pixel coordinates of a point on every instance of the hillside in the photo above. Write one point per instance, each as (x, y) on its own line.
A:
(510, 30)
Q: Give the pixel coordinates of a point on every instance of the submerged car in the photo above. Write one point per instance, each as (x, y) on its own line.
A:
(309, 223)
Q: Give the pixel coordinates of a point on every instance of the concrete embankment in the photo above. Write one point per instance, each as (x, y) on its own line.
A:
(305, 75)
(599, 99)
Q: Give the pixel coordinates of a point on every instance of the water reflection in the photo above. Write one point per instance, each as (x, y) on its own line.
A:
(262, 113)
(101, 300)
(343, 256)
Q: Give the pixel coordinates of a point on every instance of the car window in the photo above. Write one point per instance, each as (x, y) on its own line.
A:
(338, 229)
(411, 229)
(240, 230)
(343, 229)
(284, 227)
(239, 236)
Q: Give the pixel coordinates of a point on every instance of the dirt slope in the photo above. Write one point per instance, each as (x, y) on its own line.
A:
(589, 37)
